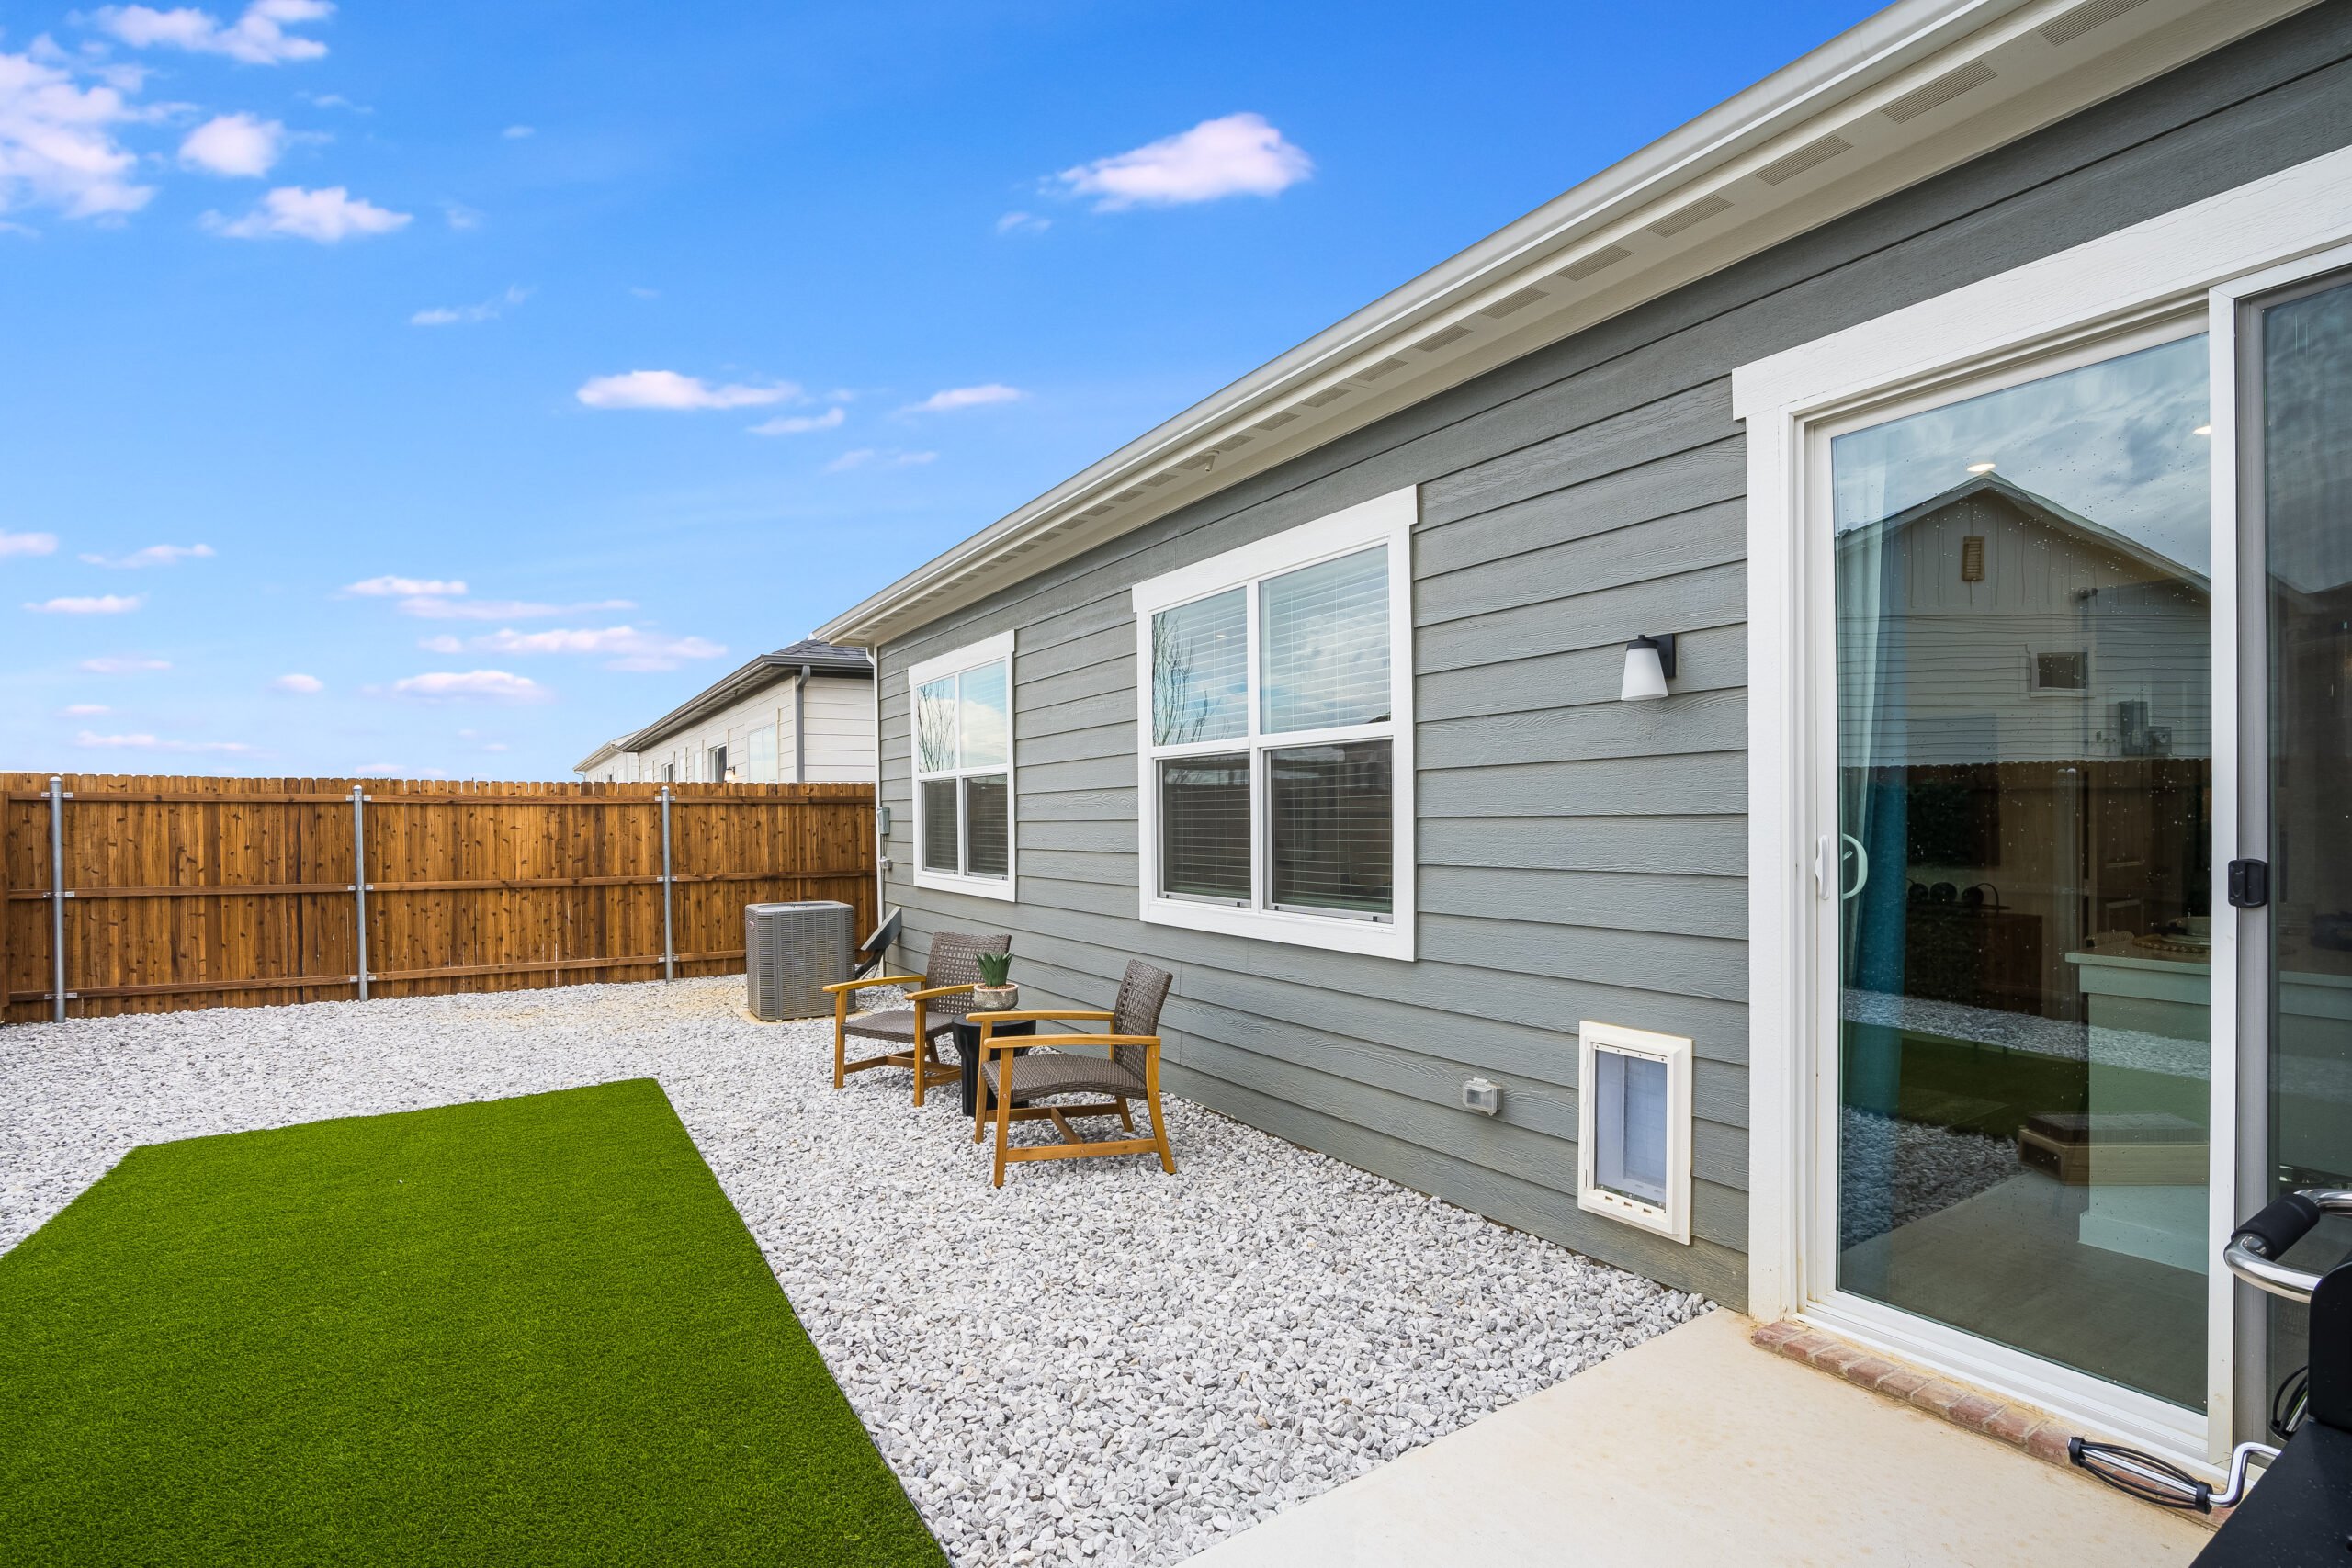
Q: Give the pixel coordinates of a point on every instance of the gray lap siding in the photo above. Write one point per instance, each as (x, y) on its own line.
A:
(1578, 857)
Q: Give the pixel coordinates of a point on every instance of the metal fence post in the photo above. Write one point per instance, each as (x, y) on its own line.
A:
(359, 877)
(57, 897)
(669, 945)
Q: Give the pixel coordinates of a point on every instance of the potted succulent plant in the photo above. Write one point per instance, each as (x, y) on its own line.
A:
(995, 993)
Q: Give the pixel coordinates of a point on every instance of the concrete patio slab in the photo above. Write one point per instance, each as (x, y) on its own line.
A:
(1697, 1447)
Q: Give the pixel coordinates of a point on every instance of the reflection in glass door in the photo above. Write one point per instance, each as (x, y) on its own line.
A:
(2302, 359)
(2024, 798)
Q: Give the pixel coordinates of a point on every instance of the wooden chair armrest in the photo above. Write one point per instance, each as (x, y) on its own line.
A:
(937, 991)
(1023, 1017)
(875, 980)
(1151, 1041)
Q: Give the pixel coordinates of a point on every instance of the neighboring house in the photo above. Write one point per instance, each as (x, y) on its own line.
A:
(801, 715)
(1320, 695)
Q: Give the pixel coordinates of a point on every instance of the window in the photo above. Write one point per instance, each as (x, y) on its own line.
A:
(2061, 673)
(1274, 692)
(1634, 1127)
(718, 764)
(963, 746)
(759, 753)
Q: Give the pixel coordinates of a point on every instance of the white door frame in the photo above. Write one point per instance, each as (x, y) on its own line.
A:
(2099, 292)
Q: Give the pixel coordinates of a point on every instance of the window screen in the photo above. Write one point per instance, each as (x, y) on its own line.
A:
(1325, 644)
(1205, 828)
(1629, 1131)
(939, 825)
(986, 825)
(2062, 672)
(1200, 671)
(1330, 818)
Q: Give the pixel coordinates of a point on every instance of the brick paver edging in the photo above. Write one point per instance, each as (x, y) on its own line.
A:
(2020, 1425)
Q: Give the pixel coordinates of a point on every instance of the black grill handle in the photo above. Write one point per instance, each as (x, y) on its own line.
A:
(2286, 1221)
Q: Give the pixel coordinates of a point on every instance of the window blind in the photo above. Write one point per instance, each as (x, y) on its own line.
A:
(986, 736)
(939, 826)
(987, 820)
(1324, 644)
(936, 727)
(1200, 671)
(1330, 818)
(1205, 828)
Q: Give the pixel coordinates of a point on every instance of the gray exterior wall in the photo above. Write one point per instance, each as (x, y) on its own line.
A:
(1578, 857)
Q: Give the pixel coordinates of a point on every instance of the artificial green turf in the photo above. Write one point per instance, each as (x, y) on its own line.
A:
(529, 1330)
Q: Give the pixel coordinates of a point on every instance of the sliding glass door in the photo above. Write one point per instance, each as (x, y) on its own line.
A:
(2024, 770)
(2295, 362)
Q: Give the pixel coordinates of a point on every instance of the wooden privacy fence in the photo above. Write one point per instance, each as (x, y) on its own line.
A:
(147, 894)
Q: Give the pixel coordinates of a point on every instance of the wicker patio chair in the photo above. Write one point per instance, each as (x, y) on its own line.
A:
(944, 995)
(1130, 1070)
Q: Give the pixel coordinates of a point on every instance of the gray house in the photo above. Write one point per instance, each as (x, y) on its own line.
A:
(1517, 681)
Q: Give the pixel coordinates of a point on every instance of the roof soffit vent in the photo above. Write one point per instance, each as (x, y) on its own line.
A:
(1788, 166)
(1688, 217)
(1512, 302)
(1939, 92)
(1607, 256)
(2068, 25)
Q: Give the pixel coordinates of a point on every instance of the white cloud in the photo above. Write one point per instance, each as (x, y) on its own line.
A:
(425, 607)
(465, 315)
(1239, 155)
(236, 145)
(26, 544)
(327, 216)
(493, 685)
(1022, 223)
(89, 604)
(332, 101)
(457, 215)
(518, 132)
(668, 390)
(302, 685)
(801, 424)
(954, 398)
(402, 587)
(442, 643)
(57, 142)
(123, 664)
(142, 742)
(864, 456)
(154, 554)
(627, 647)
(84, 710)
(257, 38)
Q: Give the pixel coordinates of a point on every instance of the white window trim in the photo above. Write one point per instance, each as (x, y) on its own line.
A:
(1672, 1218)
(2195, 258)
(1383, 520)
(997, 650)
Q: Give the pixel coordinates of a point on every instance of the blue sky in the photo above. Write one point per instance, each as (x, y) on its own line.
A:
(428, 388)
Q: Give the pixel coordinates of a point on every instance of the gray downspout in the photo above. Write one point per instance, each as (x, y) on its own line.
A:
(800, 727)
(881, 842)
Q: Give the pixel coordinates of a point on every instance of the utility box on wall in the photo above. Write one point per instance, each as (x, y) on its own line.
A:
(1634, 1127)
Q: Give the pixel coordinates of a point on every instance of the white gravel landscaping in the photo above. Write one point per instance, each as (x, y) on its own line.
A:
(1100, 1362)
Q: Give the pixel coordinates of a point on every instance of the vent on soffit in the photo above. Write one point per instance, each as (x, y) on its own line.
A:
(1698, 212)
(1168, 477)
(1446, 339)
(2068, 25)
(1939, 92)
(1814, 154)
(1374, 372)
(1584, 267)
(1511, 303)
(1327, 395)
(1232, 443)
(1275, 421)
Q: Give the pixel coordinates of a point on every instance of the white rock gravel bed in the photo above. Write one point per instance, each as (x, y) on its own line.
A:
(1098, 1363)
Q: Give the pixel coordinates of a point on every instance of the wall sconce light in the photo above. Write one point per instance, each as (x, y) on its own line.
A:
(1649, 665)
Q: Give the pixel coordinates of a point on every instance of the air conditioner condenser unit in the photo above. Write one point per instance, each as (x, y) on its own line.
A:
(791, 952)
